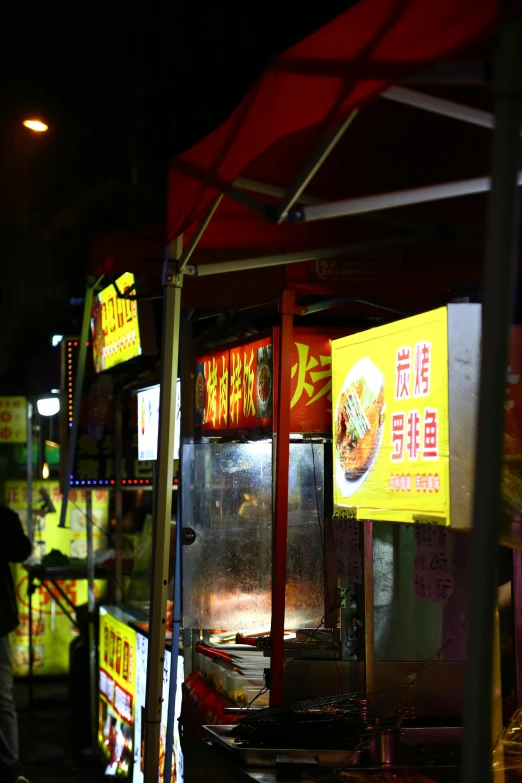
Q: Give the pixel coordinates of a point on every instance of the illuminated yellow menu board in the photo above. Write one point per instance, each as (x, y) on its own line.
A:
(390, 421)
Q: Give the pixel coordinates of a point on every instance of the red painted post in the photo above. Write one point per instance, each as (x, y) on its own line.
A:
(280, 526)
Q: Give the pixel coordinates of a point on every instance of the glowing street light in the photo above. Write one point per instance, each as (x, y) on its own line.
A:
(48, 406)
(36, 125)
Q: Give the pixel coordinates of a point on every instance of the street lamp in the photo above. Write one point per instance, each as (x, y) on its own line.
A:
(48, 406)
(36, 125)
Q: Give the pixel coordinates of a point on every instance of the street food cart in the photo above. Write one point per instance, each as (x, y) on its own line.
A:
(307, 145)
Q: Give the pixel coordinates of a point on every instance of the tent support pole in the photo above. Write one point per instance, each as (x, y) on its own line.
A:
(198, 233)
(91, 608)
(369, 609)
(400, 198)
(172, 282)
(77, 402)
(243, 264)
(29, 464)
(118, 495)
(456, 111)
(498, 278)
(252, 203)
(313, 165)
(280, 527)
(266, 189)
(516, 599)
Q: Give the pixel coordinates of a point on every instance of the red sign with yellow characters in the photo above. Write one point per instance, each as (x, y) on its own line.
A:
(311, 385)
(236, 388)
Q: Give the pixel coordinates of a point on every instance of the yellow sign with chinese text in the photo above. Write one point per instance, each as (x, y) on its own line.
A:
(114, 325)
(13, 420)
(390, 421)
(52, 629)
(117, 693)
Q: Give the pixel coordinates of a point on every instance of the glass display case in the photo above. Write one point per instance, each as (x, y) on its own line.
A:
(227, 501)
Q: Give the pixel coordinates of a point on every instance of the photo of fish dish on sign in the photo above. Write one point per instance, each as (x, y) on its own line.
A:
(359, 425)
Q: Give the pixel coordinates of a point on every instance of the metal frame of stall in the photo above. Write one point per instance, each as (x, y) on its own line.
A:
(92, 286)
(501, 251)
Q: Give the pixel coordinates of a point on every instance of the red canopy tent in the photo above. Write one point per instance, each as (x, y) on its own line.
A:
(241, 199)
(309, 93)
(300, 114)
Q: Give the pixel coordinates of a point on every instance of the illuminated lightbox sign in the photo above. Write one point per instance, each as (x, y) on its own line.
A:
(405, 399)
(390, 420)
(148, 422)
(117, 694)
(115, 326)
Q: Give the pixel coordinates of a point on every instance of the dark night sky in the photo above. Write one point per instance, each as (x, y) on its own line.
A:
(114, 81)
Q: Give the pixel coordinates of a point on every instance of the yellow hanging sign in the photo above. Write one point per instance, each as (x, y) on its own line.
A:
(115, 326)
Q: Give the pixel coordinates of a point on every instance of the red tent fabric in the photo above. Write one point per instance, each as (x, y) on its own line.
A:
(272, 133)
(307, 90)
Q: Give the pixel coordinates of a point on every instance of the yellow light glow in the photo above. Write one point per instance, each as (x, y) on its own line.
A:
(36, 125)
(45, 471)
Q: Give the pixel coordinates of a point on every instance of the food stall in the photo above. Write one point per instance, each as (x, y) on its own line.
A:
(278, 167)
(227, 496)
(103, 371)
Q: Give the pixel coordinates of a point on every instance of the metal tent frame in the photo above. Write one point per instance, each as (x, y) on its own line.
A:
(502, 248)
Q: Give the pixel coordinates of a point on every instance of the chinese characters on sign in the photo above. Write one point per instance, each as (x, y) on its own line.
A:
(311, 385)
(390, 420)
(114, 326)
(117, 691)
(233, 388)
(432, 572)
(347, 549)
(417, 432)
(13, 420)
(384, 266)
(309, 371)
(212, 384)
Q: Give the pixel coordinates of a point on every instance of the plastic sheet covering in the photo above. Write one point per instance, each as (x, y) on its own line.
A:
(407, 629)
(227, 501)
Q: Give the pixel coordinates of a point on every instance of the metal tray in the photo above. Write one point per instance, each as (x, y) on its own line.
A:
(266, 757)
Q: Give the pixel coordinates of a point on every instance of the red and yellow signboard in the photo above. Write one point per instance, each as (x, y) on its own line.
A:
(250, 385)
(311, 389)
(211, 392)
(13, 420)
(234, 389)
(117, 693)
(390, 420)
(114, 325)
